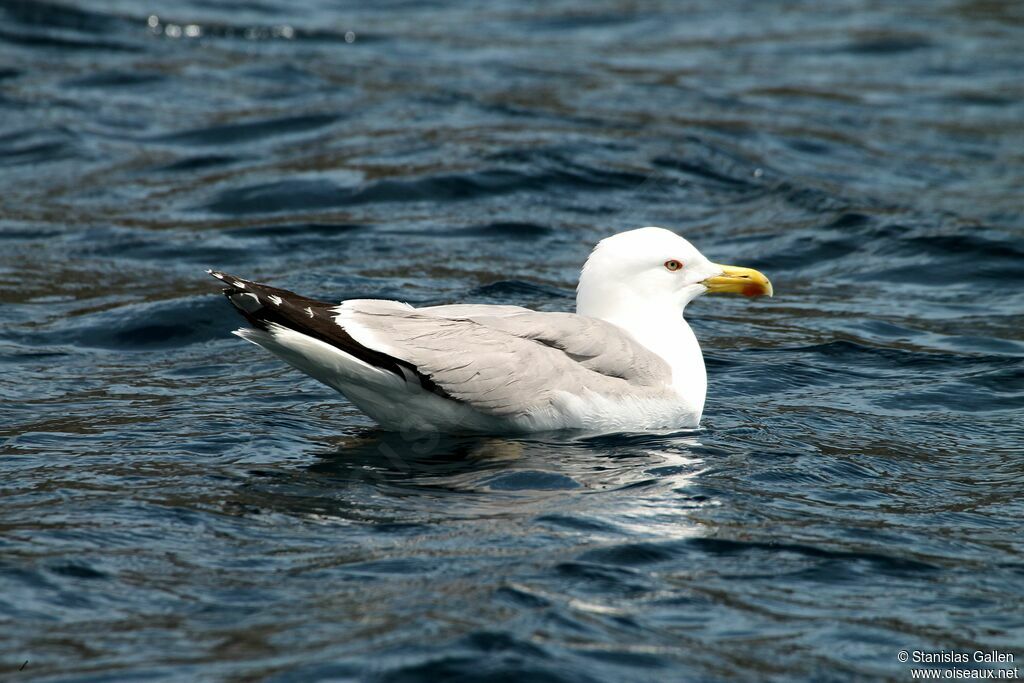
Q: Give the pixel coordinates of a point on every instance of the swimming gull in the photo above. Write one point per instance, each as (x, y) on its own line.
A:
(626, 360)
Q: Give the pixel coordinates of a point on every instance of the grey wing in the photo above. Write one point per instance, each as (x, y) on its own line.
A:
(503, 360)
(594, 344)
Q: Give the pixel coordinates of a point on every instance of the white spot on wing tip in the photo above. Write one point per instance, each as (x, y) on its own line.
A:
(219, 276)
(240, 285)
(275, 299)
(247, 301)
(309, 311)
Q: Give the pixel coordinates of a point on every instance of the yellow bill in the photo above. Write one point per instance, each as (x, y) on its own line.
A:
(736, 280)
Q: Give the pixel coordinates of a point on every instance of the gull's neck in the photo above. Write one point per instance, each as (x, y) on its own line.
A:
(659, 326)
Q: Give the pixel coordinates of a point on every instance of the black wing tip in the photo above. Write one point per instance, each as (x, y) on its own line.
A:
(246, 297)
(263, 306)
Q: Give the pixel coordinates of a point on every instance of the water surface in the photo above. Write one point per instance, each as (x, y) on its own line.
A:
(177, 505)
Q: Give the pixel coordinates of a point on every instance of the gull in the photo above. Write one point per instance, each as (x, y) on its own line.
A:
(626, 360)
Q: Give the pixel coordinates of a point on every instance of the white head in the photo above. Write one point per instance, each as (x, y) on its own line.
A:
(647, 272)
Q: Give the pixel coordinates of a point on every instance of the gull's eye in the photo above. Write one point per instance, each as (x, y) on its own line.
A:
(673, 265)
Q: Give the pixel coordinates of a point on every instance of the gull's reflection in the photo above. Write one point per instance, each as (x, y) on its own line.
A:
(415, 453)
(636, 483)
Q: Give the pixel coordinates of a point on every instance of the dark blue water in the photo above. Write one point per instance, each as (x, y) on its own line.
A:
(178, 505)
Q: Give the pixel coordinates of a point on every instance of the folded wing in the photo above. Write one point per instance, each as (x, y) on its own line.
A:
(499, 360)
(504, 360)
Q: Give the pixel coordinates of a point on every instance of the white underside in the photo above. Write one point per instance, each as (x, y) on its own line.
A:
(403, 405)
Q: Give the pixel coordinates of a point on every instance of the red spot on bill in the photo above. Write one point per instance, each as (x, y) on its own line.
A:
(752, 290)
